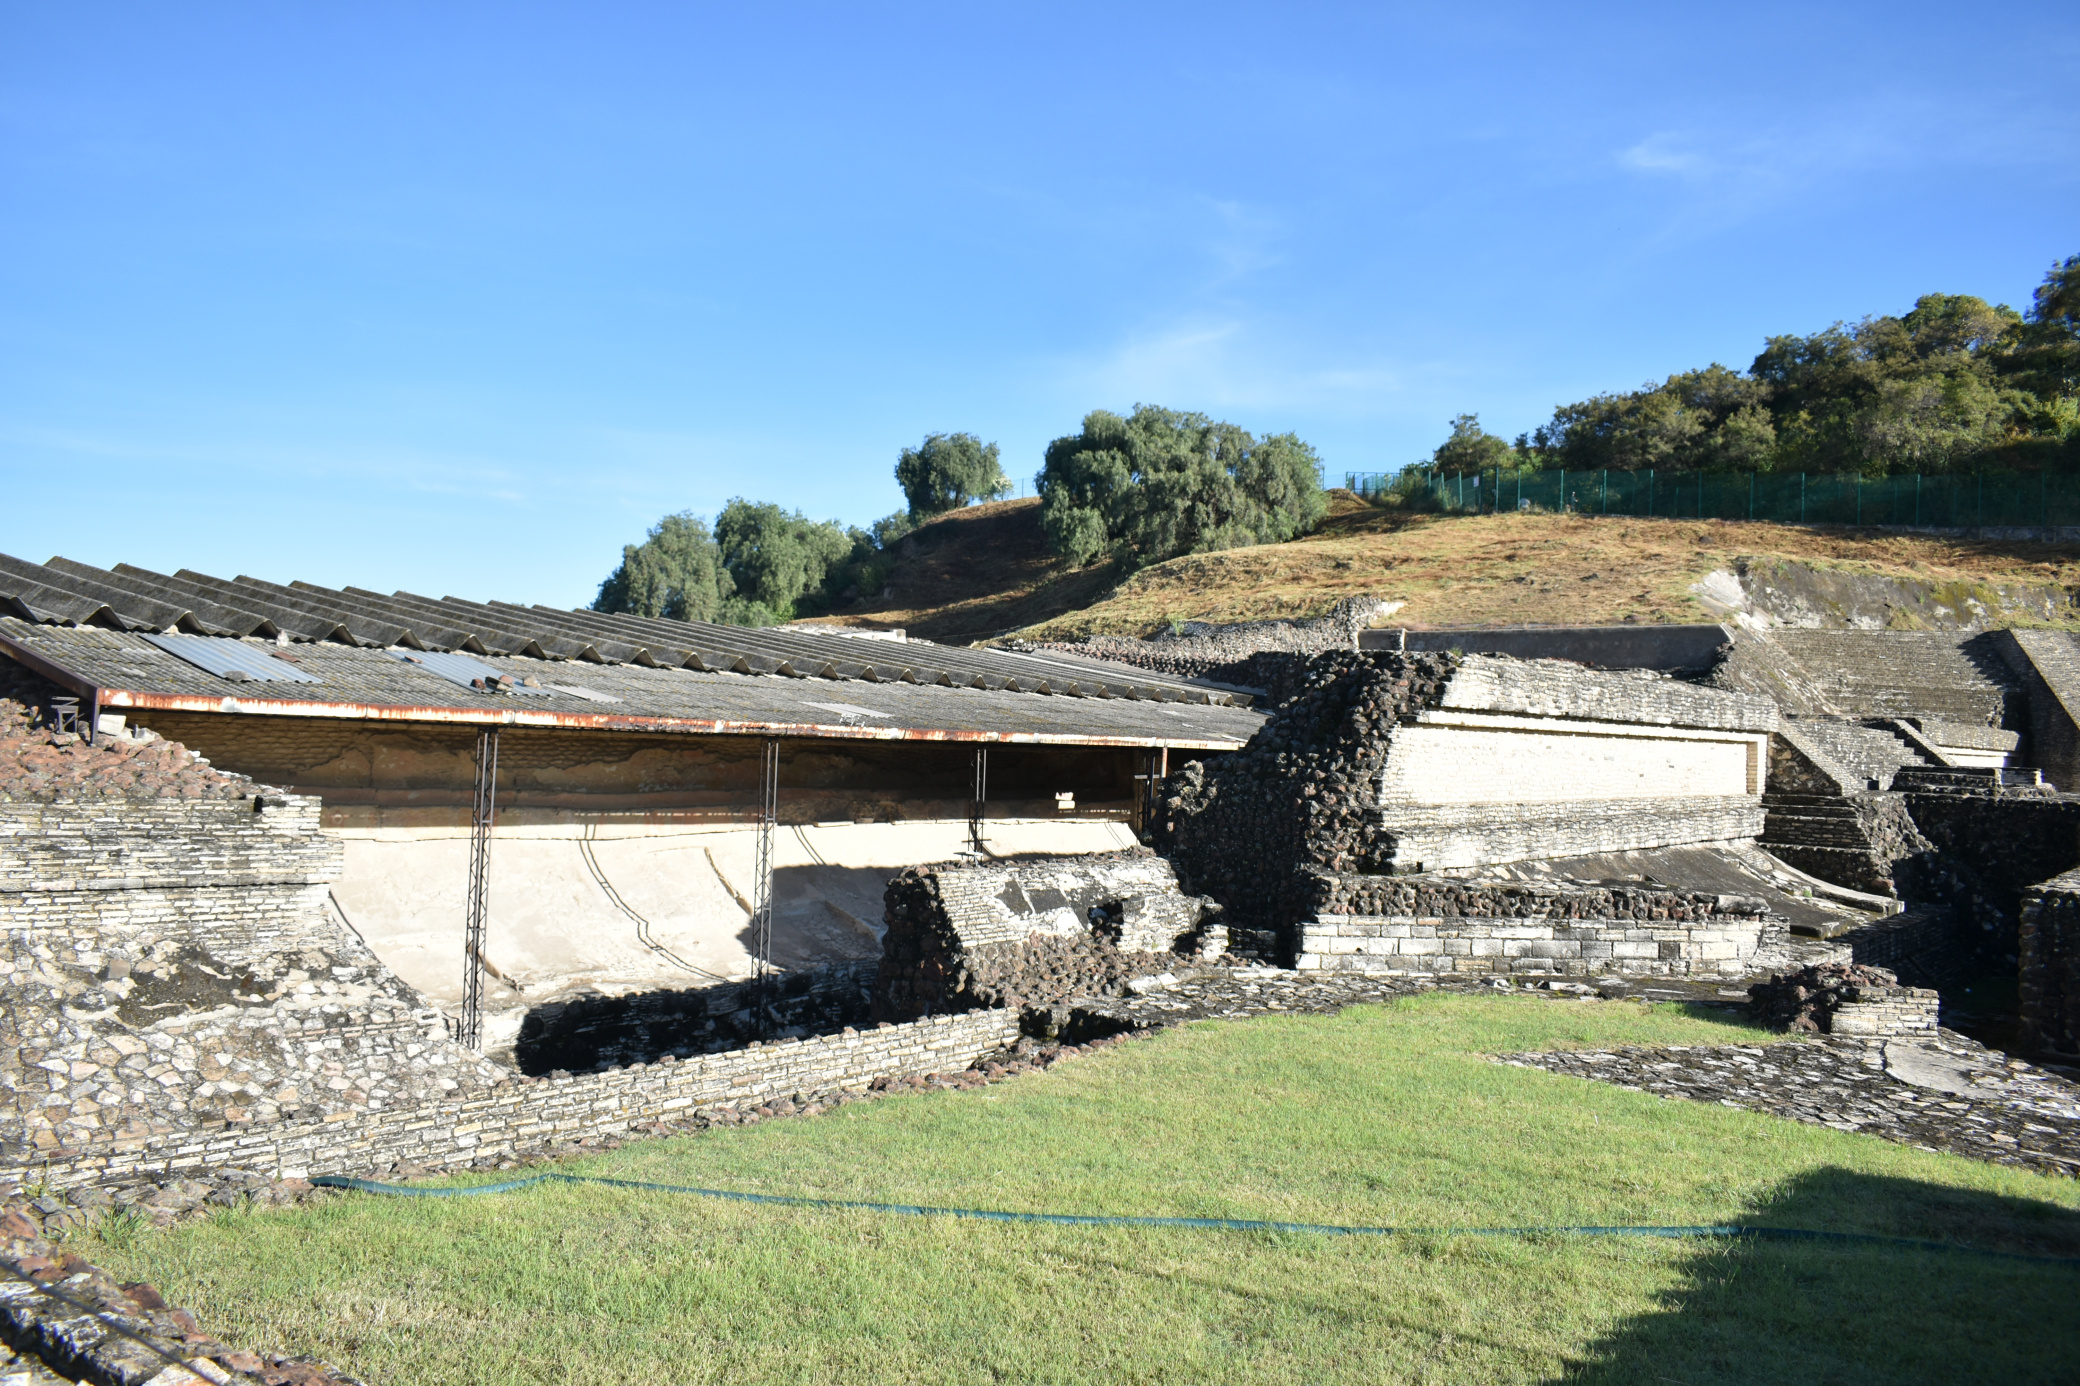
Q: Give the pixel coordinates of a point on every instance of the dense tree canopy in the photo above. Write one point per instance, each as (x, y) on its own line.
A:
(1160, 483)
(1955, 383)
(776, 558)
(948, 470)
(677, 572)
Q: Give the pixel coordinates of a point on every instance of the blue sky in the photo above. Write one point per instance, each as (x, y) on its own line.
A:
(460, 299)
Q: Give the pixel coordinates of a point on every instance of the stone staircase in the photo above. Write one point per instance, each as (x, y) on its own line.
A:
(1826, 810)
(1873, 755)
(1972, 779)
(1944, 675)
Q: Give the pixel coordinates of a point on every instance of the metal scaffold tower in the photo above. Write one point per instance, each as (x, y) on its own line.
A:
(979, 804)
(471, 1032)
(762, 896)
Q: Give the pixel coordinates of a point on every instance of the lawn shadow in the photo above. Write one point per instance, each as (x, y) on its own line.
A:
(1817, 1312)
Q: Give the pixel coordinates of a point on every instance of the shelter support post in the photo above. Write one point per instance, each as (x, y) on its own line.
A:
(978, 806)
(762, 889)
(471, 1033)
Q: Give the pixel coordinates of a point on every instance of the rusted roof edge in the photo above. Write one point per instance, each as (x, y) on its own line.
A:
(604, 721)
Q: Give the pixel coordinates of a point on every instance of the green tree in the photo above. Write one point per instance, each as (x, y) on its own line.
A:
(776, 558)
(948, 470)
(676, 572)
(1471, 448)
(1159, 483)
(2045, 360)
(1953, 382)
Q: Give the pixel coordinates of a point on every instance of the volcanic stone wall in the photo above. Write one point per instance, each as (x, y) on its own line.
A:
(168, 965)
(1034, 932)
(1988, 848)
(526, 1115)
(609, 1031)
(1442, 925)
(1389, 762)
(1252, 829)
(2049, 970)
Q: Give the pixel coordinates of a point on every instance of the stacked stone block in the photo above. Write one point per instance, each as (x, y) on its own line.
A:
(1034, 932)
(1444, 926)
(2049, 968)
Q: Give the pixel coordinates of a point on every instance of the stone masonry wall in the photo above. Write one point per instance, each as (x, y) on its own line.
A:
(609, 1031)
(530, 1114)
(2049, 969)
(1722, 945)
(1988, 849)
(1305, 795)
(1033, 932)
(1249, 828)
(168, 965)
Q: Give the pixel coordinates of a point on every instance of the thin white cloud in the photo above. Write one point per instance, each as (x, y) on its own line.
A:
(1226, 363)
(1663, 154)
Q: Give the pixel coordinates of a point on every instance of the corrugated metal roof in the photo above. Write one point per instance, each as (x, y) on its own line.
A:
(126, 670)
(233, 659)
(465, 672)
(63, 592)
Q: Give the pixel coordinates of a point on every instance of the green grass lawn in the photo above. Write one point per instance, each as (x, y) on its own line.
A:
(1379, 1116)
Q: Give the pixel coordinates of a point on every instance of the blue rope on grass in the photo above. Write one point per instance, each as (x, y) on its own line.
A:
(1772, 1234)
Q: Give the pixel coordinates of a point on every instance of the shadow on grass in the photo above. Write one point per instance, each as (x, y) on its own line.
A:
(1751, 1310)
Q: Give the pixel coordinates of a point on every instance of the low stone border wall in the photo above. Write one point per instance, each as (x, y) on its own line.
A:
(1884, 1012)
(531, 1113)
(1721, 946)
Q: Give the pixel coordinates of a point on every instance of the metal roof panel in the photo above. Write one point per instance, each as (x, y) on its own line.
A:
(230, 658)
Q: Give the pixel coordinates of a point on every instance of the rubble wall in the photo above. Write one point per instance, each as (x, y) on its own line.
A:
(1441, 925)
(1034, 932)
(525, 1115)
(2049, 968)
(1380, 763)
(168, 965)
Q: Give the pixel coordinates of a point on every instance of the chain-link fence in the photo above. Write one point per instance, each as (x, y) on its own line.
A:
(1948, 501)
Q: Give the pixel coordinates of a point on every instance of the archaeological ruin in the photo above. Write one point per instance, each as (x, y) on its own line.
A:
(296, 881)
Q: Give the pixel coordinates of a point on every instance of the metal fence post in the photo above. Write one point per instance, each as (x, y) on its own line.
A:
(1801, 497)
(1917, 500)
(1859, 499)
(1650, 492)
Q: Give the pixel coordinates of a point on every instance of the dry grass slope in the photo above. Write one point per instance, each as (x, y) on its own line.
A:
(985, 571)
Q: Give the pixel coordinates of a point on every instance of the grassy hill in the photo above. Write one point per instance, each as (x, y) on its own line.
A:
(985, 571)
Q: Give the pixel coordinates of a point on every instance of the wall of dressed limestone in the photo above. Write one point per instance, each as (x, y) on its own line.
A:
(1721, 946)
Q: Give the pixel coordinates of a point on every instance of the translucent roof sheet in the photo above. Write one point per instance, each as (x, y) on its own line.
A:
(469, 673)
(233, 659)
